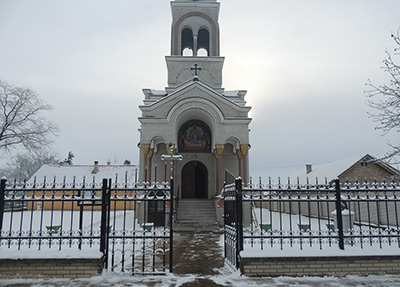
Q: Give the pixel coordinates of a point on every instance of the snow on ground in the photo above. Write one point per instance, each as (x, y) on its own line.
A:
(227, 277)
(50, 253)
(283, 224)
(37, 220)
(19, 225)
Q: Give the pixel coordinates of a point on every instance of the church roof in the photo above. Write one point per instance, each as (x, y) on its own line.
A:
(231, 106)
(152, 95)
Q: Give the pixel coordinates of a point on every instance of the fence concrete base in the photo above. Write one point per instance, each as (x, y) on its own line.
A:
(320, 266)
(50, 268)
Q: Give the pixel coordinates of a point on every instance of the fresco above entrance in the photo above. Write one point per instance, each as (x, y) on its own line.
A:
(194, 136)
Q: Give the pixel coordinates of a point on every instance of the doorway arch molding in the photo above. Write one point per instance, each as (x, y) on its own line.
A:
(199, 110)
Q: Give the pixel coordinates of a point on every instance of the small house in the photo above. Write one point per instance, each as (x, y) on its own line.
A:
(361, 169)
(79, 181)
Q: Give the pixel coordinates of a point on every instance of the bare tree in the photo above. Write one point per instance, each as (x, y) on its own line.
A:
(22, 166)
(21, 119)
(385, 99)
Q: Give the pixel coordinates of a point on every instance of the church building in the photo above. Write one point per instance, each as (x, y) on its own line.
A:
(194, 114)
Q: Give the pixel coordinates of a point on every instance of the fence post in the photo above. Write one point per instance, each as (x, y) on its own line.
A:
(171, 230)
(239, 219)
(225, 220)
(108, 200)
(2, 193)
(103, 227)
(339, 219)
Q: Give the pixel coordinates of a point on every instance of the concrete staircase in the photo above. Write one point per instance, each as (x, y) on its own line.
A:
(196, 215)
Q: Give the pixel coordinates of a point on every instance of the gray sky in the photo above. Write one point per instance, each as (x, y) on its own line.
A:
(304, 63)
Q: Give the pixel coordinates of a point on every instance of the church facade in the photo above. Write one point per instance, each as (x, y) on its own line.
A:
(194, 116)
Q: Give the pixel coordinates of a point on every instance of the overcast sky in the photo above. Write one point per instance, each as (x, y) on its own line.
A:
(304, 63)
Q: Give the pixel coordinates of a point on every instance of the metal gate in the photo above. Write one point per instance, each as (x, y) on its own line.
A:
(233, 224)
(109, 217)
(133, 247)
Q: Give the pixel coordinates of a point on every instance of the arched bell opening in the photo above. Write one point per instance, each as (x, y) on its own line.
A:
(203, 45)
(187, 42)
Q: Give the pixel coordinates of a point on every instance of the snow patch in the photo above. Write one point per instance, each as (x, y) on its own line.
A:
(49, 253)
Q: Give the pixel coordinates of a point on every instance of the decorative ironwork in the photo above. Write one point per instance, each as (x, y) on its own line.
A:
(78, 217)
(318, 216)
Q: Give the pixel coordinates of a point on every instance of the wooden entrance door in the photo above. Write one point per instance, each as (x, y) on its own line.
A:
(194, 180)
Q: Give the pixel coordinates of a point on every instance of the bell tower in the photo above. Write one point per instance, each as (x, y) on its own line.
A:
(194, 116)
(195, 40)
(195, 26)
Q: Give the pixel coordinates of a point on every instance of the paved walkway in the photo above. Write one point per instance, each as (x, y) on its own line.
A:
(198, 253)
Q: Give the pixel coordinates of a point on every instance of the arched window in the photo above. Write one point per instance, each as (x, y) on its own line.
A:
(187, 40)
(194, 136)
(203, 42)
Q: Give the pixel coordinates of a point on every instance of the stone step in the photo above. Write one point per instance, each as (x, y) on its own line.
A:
(196, 210)
(196, 216)
(192, 212)
(196, 204)
(195, 227)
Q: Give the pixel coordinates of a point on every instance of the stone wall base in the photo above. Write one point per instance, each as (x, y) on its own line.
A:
(320, 266)
(50, 268)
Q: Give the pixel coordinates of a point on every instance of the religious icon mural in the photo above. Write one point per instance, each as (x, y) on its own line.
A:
(194, 136)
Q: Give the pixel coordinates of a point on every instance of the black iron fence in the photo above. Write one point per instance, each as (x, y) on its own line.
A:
(283, 216)
(233, 223)
(77, 218)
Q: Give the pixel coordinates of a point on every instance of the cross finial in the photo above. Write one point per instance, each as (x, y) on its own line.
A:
(195, 69)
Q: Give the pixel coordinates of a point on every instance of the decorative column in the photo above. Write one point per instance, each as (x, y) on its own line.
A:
(218, 151)
(240, 162)
(195, 45)
(244, 149)
(149, 162)
(147, 156)
(145, 149)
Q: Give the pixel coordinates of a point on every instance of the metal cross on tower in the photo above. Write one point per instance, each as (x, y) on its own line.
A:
(196, 68)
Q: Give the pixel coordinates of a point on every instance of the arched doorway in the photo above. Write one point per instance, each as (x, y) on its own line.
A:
(194, 180)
